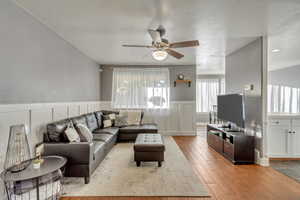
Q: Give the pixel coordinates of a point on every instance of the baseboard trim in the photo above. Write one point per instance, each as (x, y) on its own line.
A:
(284, 159)
(262, 161)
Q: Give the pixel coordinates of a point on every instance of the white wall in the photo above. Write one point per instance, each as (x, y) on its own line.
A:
(244, 67)
(287, 76)
(36, 65)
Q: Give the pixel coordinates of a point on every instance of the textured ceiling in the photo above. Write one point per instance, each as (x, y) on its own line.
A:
(98, 28)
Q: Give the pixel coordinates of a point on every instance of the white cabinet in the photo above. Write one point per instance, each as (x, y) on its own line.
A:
(284, 137)
(296, 138)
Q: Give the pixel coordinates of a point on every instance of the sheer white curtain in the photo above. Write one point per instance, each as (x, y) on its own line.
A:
(207, 91)
(283, 99)
(141, 88)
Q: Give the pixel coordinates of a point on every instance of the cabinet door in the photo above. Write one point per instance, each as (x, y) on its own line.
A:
(296, 137)
(279, 138)
(215, 142)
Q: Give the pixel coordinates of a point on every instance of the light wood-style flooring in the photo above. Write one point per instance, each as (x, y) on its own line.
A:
(224, 180)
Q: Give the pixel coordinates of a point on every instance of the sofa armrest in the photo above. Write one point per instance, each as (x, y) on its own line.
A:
(76, 153)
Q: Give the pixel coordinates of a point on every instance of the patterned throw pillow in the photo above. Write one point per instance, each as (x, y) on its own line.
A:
(72, 134)
(121, 121)
(112, 116)
(85, 133)
(107, 121)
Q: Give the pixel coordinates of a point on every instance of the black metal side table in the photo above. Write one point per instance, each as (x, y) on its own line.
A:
(30, 183)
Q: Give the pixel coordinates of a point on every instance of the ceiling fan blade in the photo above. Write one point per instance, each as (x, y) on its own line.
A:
(155, 35)
(129, 45)
(174, 53)
(192, 43)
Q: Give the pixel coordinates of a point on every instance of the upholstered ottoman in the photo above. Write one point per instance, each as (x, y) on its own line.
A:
(149, 148)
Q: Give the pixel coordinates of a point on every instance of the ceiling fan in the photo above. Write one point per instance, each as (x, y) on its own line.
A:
(162, 47)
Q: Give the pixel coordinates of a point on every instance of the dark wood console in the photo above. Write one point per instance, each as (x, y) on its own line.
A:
(235, 146)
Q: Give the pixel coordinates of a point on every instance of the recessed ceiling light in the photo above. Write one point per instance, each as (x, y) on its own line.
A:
(275, 50)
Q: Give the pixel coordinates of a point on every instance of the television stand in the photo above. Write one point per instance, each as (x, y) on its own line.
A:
(236, 146)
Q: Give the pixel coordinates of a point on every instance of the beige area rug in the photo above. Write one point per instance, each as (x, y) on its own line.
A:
(118, 175)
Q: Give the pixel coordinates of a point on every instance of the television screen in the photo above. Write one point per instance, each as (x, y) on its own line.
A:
(231, 109)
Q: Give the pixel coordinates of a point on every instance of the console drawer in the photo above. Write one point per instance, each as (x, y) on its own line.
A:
(228, 150)
(216, 142)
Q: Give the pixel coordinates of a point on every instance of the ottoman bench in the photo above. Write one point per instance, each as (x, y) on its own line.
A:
(149, 148)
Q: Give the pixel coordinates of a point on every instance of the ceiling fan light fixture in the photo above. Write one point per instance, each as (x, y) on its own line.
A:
(159, 55)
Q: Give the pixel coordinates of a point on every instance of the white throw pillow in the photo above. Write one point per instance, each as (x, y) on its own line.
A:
(134, 117)
(112, 116)
(72, 134)
(107, 123)
(85, 133)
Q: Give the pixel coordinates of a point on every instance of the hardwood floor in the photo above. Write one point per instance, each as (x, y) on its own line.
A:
(224, 180)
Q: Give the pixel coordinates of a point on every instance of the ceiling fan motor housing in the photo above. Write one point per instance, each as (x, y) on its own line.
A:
(161, 30)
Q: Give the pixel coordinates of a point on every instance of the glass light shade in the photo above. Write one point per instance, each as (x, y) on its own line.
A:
(159, 55)
(18, 149)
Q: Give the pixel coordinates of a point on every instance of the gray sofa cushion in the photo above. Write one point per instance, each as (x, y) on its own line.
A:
(98, 146)
(144, 128)
(111, 130)
(56, 131)
(91, 121)
(79, 120)
(102, 137)
(107, 112)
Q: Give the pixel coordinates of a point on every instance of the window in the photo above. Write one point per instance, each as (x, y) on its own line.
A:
(283, 99)
(207, 92)
(141, 88)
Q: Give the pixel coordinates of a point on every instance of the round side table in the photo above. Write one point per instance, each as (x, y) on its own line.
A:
(30, 183)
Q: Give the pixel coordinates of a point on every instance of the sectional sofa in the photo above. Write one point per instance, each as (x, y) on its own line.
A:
(83, 157)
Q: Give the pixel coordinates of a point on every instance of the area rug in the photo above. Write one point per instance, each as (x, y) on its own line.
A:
(290, 168)
(118, 175)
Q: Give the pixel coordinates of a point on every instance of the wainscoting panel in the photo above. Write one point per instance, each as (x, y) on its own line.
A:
(60, 112)
(39, 119)
(83, 109)
(74, 110)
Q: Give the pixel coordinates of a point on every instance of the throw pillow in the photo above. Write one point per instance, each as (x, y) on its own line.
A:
(108, 120)
(107, 123)
(72, 134)
(121, 121)
(134, 117)
(85, 133)
(112, 116)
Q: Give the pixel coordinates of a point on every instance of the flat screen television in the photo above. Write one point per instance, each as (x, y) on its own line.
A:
(231, 109)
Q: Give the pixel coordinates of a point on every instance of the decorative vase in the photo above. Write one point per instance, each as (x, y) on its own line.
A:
(18, 150)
